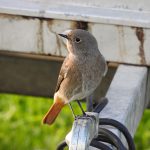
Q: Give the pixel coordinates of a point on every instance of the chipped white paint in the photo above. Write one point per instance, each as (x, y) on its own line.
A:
(112, 12)
(147, 45)
(112, 25)
(117, 43)
(125, 4)
(18, 34)
(53, 44)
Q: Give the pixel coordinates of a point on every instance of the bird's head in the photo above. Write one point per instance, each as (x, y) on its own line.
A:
(80, 41)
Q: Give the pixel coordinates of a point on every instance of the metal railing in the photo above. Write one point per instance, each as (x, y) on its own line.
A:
(90, 130)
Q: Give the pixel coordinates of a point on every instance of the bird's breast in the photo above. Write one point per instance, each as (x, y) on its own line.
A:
(91, 77)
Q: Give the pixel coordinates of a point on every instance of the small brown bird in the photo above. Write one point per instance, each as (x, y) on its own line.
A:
(81, 71)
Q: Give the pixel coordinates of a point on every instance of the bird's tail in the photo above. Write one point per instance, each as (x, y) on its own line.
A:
(53, 112)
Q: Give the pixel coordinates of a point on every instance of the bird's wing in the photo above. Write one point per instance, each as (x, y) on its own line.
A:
(104, 66)
(106, 69)
(62, 74)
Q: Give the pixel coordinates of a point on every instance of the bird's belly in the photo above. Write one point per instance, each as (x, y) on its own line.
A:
(87, 88)
(91, 78)
(90, 83)
(82, 94)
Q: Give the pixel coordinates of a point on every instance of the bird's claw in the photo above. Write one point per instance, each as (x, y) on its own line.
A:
(82, 116)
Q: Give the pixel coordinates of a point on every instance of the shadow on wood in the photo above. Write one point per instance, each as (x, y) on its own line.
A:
(33, 74)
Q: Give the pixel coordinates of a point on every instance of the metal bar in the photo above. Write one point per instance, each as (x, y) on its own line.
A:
(33, 74)
(83, 131)
(28, 75)
(34, 56)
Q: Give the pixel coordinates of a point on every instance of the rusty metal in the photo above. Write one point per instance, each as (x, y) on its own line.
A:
(140, 36)
(80, 25)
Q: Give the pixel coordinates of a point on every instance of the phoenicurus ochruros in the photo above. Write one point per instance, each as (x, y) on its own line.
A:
(81, 71)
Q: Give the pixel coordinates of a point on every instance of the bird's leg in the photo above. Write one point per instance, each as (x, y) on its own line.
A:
(89, 103)
(72, 110)
(83, 112)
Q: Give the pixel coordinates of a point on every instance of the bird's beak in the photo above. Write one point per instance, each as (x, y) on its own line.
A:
(64, 35)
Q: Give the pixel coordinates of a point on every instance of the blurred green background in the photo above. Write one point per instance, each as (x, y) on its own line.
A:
(21, 127)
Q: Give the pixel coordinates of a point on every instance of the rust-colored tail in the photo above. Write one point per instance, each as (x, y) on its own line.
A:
(53, 112)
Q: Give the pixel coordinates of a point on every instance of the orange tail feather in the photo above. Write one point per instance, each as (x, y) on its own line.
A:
(53, 112)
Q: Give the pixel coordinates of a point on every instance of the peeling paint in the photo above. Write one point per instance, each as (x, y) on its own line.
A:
(11, 17)
(18, 17)
(49, 25)
(117, 43)
(80, 25)
(140, 36)
(121, 40)
(40, 43)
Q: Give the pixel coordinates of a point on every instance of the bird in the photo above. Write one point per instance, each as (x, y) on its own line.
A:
(80, 74)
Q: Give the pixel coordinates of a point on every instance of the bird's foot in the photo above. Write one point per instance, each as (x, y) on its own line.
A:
(82, 116)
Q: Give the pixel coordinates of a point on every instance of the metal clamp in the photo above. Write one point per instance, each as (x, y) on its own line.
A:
(84, 129)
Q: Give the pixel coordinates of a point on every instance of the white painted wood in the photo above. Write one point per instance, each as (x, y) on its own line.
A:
(125, 4)
(119, 43)
(17, 34)
(146, 45)
(114, 12)
(112, 25)
(52, 42)
(116, 43)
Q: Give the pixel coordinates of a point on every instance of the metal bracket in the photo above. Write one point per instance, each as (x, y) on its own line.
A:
(84, 129)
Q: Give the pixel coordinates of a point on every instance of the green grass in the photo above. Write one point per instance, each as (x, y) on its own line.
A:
(21, 127)
(142, 136)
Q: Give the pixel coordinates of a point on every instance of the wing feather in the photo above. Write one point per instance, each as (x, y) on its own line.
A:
(62, 74)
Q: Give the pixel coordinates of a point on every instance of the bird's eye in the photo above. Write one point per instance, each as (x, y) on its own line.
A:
(77, 40)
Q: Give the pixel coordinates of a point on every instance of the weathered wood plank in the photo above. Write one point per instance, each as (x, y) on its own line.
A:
(18, 34)
(37, 75)
(114, 12)
(130, 38)
(29, 75)
(38, 35)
